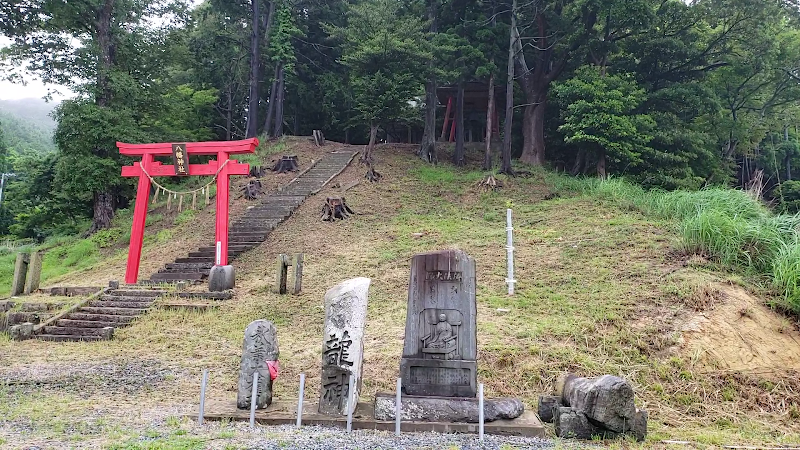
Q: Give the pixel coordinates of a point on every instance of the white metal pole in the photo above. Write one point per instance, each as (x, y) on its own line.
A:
(202, 397)
(253, 398)
(480, 411)
(300, 399)
(350, 406)
(397, 408)
(510, 252)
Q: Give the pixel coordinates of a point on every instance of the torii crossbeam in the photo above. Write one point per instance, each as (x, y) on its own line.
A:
(222, 167)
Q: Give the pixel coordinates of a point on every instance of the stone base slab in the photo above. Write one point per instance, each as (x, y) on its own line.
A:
(446, 409)
(282, 412)
(440, 378)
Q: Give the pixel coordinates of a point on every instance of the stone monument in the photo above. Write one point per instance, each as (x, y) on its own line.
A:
(259, 353)
(439, 363)
(440, 350)
(343, 345)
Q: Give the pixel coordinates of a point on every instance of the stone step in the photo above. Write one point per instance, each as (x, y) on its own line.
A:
(212, 253)
(86, 323)
(230, 248)
(119, 304)
(127, 298)
(243, 228)
(252, 244)
(178, 266)
(68, 338)
(112, 311)
(202, 271)
(76, 331)
(247, 236)
(194, 260)
(178, 275)
(119, 319)
(137, 292)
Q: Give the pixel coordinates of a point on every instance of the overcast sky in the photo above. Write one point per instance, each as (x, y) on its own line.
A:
(32, 88)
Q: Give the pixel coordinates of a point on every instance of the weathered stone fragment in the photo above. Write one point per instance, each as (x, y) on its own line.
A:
(606, 400)
(21, 332)
(221, 278)
(446, 409)
(547, 406)
(343, 345)
(570, 423)
(259, 352)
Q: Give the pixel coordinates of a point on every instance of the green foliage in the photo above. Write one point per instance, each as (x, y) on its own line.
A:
(108, 237)
(788, 194)
(600, 114)
(382, 45)
(185, 216)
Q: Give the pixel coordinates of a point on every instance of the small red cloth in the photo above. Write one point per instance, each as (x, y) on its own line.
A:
(273, 369)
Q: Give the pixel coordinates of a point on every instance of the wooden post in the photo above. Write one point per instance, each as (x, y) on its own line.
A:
(280, 274)
(139, 218)
(446, 117)
(298, 273)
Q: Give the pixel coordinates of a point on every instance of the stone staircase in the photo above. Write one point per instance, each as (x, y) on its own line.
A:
(97, 320)
(251, 229)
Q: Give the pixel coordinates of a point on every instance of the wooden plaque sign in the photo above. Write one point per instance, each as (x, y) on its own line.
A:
(181, 159)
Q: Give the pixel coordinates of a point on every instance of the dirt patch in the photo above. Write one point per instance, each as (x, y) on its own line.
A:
(739, 333)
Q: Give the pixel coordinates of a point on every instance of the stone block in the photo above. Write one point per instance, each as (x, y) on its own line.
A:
(34, 273)
(221, 278)
(33, 307)
(259, 352)
(547, 406)
(113, 284)
(446, 409)
(570, 423)
(19, 317)
(343, 345)
(107, 333)
(6, 305)
(20, 272)
(21, 332)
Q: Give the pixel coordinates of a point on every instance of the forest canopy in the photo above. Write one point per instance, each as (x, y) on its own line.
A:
(668, 93)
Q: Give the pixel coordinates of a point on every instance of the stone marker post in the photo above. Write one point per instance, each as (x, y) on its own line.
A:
(20, 273)
(343, 345)
(282, 273)
(441, 346)
(259, 354)
(34, 273)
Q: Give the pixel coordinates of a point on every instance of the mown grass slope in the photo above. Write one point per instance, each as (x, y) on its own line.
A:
(603, 287)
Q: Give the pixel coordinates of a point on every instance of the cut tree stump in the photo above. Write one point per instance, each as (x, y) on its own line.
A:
(373, 175)
(489, 183)
(258, 171)
(286, 164)
(252, 190)
(319, 139)
(335, 208)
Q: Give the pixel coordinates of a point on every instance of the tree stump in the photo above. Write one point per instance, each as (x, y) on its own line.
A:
(373, 175)
(252, 190)
(286, 164)
(258, 171)
(319, 139)
(335, 208)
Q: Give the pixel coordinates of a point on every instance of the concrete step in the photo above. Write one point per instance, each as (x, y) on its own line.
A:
(178, 275)
(252, 244)
(212, 253)
(194, 260)
(112, 311)
(68, 338)
(76, 331)
(119, 319)
(87, 323)
(116, 304)
(230, 248)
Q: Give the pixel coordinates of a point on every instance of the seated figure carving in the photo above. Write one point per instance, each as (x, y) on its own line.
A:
(441, 342)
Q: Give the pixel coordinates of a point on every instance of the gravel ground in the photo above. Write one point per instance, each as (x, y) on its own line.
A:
(128, 377)
(324, 438)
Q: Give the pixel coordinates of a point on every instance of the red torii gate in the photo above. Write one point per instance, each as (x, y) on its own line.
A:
(222, 168)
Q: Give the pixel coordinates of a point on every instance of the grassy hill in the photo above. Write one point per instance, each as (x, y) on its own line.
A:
(606, 284)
